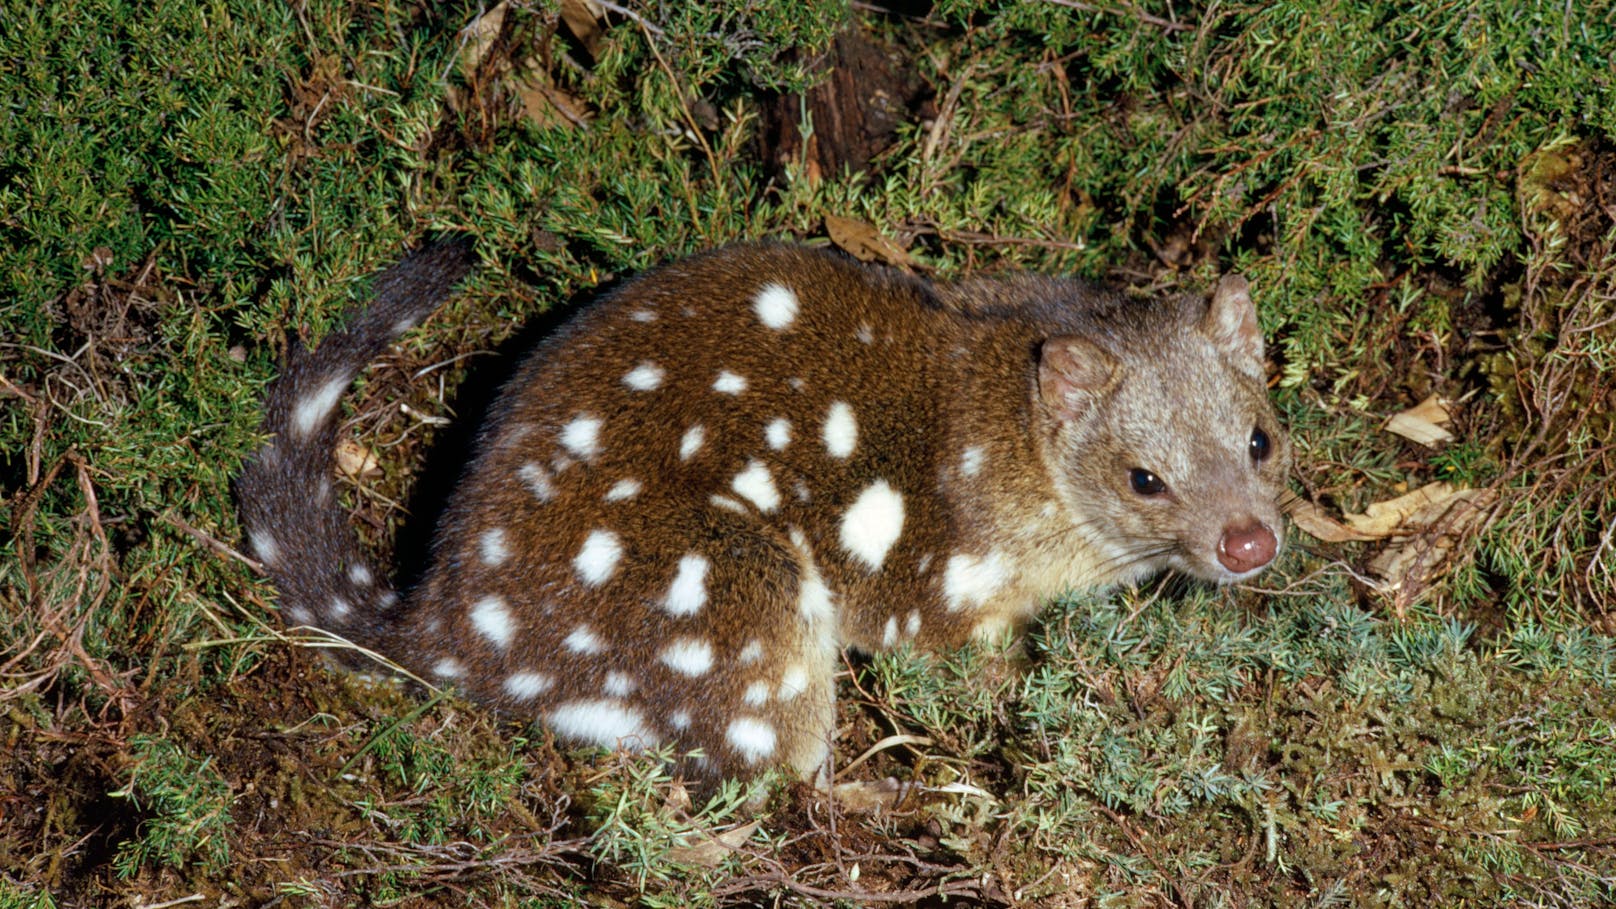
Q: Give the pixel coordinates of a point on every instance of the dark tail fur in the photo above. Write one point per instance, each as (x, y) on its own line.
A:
(291, 516)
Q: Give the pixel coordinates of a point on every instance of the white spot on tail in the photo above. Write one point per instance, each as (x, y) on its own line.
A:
(493, 621)
(971, 460)
(776, 306)
(537, 480)
(582, 436)
(729, 383)
(447, 668)
(756, 694)
(264, 545)
(793, 681)
(970, 580)
(814, 599)
(841, 430)
(583, 640)
(778, 433)
(598, 558)
(688, 593)
(688, 656)
(752, 738)
(691, 443)
(873, 523)
(602, 722)
(622, 490)
(525, 686)
(645, 377)
(756, 484)
(312, 410)
(491, 547)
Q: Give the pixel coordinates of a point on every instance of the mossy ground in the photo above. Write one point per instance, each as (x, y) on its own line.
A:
(1423, 196)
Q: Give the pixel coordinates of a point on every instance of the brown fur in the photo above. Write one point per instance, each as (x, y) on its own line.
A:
(1005, 417)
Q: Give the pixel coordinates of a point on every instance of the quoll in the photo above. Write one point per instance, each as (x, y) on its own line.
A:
(703, 487)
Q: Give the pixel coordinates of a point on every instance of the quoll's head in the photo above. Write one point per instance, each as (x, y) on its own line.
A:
(1169, 426)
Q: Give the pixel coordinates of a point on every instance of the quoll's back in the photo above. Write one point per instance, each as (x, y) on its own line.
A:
(700, 490)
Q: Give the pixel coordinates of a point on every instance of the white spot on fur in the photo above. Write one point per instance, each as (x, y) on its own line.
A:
(602, 722)
(793, 681)
(727, 503)
(756, 484)
(729, 383)
(583, 640)
(491, 547)
(264, 546)
(679, 720)
(297, 615)
(865, 334)
(796, 383)
(493, 621)
(911, 626)
(525, 686)
(778, 433)
(623, 490)
(642, 315)
(688, 592)
(889, 634)
(971, 460)
(598, 558)
(312, 410)
(688, 656)
(447, 668)
(691, 443)
(582, 436)
(751, 653)
(872, 524)
(801, 489)
(971, 580)
(386, 600)
(752, 738)
(814, 598)
(339, 609)
(359, 575)
(776, 306)
(537, 481)
(756, 694)
(618, 685)
(841, 430)
(645, 377)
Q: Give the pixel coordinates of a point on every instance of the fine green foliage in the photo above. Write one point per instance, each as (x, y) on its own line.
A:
(1420, 193)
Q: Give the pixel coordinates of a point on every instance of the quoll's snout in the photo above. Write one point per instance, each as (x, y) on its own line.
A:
(1247, 547)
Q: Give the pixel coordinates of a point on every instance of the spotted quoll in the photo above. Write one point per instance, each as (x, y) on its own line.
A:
(701, 489)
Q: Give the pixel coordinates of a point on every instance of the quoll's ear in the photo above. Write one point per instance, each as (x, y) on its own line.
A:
(1072, 373)
(1231, 325)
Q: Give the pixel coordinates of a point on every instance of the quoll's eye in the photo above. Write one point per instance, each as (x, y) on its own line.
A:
(1146, 483)
(1261, 448)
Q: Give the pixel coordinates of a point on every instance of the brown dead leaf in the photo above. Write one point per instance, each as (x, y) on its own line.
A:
(585, 19)
(356, 461)
(478, 38)
(1312, 519)
(1409, 565)
(866, 244)
(714, 848)
(1424, 422)
(1382, 519)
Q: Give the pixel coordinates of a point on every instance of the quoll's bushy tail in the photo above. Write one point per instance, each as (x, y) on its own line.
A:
(291, 516)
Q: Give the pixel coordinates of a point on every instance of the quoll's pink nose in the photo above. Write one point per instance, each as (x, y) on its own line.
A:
(1247, 548)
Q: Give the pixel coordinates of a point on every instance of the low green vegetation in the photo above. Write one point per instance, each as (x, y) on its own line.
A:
(1422, 195)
